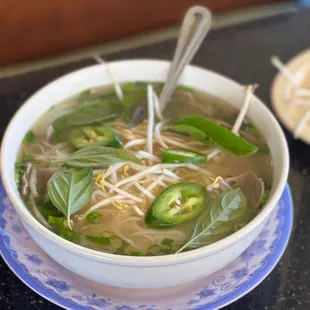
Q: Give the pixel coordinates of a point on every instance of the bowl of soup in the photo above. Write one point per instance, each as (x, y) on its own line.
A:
(123, 192)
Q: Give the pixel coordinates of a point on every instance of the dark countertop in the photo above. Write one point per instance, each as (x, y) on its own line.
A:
(242, 53)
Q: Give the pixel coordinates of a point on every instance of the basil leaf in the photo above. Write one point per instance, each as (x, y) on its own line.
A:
(29, 137)
(225, 214)
(221, 136)
(70, 189)
(96, 111)
(99, 156)
(85, 96)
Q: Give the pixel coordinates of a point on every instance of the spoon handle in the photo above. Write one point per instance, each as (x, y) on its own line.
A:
(195, 27)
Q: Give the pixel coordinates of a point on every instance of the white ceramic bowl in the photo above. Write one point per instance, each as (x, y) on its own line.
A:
(142, 272)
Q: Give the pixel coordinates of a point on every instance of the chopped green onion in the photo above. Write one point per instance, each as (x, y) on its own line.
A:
(19, 172)
(175, 247)
(154, 249)
(68, 234)
(94, 217)
(31, 159)
(120, 251)
(136, 253)
(167, 242)
(184, 88)
(98, 240)
(29, 137)
(116, 241)
(264, 199)
(56, 221)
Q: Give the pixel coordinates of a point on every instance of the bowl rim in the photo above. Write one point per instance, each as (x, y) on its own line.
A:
(144, 261)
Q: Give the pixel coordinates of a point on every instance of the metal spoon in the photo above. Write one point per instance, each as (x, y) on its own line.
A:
(195, 27)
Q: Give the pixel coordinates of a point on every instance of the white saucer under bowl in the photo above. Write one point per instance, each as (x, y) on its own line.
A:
(64, 288)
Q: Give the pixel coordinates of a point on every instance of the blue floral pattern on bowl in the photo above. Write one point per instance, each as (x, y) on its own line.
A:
(59, 285)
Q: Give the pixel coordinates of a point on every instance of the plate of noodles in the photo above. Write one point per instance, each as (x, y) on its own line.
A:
(123, 192)
(290, 94)
(64, 288)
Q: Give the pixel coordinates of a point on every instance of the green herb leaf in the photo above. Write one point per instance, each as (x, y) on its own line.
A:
(70, 189)
(86, 97)
(29, 137)
(96, 111)
(99, 156)
(225, 214)
(221, 136)
(48, 209)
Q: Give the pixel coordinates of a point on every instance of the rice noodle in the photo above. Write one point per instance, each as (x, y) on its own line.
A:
(178, 144)
(155, 183)
(143, 190)
(302, 92)
(138, 211)
(145, 155)
(134, 143)
(157, 131)
(170, 174)
(157, 106)
(248, 95)
(122, 192)
(99, 193)
(300, 102)
(150, 123)
(138, 175)
(114, 167)
(37, 213)
(117, 86)
(33, 183)
(283, 69)
(102, 203)
(302, 123)
(114, 176)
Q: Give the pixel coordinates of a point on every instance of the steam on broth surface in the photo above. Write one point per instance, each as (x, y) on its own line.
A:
(117, 176)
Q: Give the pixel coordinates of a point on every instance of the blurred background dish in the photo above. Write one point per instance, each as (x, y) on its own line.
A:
(290, 95)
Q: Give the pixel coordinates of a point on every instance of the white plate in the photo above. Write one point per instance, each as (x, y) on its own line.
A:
(64, 288)
(299, 67)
